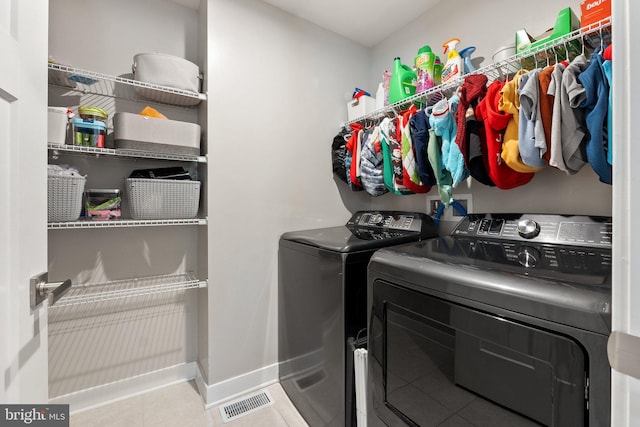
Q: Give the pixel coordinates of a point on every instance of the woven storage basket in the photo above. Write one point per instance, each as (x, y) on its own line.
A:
(64, 197)
(162, 198)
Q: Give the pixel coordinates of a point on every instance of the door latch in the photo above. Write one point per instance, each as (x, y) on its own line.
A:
(40, 289)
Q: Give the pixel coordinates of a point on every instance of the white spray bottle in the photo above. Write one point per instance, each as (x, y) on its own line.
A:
(453, 67)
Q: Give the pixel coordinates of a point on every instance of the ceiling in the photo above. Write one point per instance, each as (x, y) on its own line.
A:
(356, 20)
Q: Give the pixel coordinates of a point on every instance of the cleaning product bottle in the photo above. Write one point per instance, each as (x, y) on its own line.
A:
(437, 71)
(380, 96)
(424, 63)
(453, 66)
(466, 59)
(402, 84)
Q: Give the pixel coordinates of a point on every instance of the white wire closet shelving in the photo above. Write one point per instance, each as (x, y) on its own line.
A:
(124, 223)
(92, 293)
(56, 149)
(84, 81)
(565, 47)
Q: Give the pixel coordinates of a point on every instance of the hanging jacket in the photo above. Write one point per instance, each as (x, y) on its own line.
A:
(389, 143)
(546, 108)
(531, 140)
(443, 177)
(371, 164)
(411, 179)
(556, 158)
(574, 138)
(419, 125)
(338, 153)
(477, 150)
(510, 103)
(495, 123)
(596, 106)
(352, 159)
(443, 123)
(606, 66)
(473, 88)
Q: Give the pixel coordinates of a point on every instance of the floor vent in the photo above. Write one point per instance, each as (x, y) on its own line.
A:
(245, 405)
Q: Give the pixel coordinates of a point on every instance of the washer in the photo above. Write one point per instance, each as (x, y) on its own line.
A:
(322, 303)
(502, 323)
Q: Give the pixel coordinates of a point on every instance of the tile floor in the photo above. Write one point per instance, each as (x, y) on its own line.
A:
(180, 405)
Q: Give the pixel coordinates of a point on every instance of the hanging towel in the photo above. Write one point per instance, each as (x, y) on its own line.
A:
(495, 123)
(531, 140)
(595, 106)
(442, 120)
(574, 138)
(546, 108)
(510, 103)
(419, 124)
(371, 162)
(474, 87)
(411, 179)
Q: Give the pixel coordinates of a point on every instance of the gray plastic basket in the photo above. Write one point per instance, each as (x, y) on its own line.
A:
(162, 198)
(64, 197)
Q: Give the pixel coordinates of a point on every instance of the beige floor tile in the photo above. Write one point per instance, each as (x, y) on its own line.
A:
(125, 413)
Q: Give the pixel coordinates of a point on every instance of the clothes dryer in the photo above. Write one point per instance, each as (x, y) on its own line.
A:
(322, 305)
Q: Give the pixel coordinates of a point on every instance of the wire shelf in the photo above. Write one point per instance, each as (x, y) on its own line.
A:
(92, 293)
(562, 47)
(124, 223)
(84, 81)
(57, 148)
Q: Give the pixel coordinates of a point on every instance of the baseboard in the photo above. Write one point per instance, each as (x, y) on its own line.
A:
(215, 394)
(108, 393)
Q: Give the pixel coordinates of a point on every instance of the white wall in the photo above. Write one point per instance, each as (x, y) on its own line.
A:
(276, 90)
(489, 25)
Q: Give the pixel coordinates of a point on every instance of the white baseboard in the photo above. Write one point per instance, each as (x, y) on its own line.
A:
(107, 393)
(215, 394)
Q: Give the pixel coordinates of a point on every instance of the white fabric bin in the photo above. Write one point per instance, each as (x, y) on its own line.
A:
(57, 125)
(166, 70)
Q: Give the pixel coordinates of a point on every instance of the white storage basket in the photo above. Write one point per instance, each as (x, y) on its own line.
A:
(162, 198)
(64, 197)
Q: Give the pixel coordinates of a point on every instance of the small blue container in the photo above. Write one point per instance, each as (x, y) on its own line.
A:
(89, 133)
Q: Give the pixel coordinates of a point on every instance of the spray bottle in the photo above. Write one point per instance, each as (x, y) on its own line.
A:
(453, 66)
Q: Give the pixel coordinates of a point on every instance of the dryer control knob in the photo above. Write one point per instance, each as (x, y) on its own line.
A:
(528, 228)
(528, 256)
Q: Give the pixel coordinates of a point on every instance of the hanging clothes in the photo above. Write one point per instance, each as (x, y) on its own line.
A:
(595, 106)
(372, 164)
(338, 154)
(473, 88)
(442, 120)
(352, 159)
(573, 129)
(389, 143)
(411, 179)
(531, 140)
(510, 103)
(443, 176)
(419, 124)
(495, 123)
(555, 147)
(477, 149)
(606, 66)
(546, 108)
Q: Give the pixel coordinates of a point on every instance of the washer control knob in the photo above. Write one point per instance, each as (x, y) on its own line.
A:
(528, 256)
(528, 228)
(377, 219)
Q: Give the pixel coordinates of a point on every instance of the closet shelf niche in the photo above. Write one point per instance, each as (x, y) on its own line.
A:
(581, 40)
(92, 293)
(81, 150)
(84, 81)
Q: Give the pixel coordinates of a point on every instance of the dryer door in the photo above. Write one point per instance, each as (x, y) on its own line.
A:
(434, 361)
